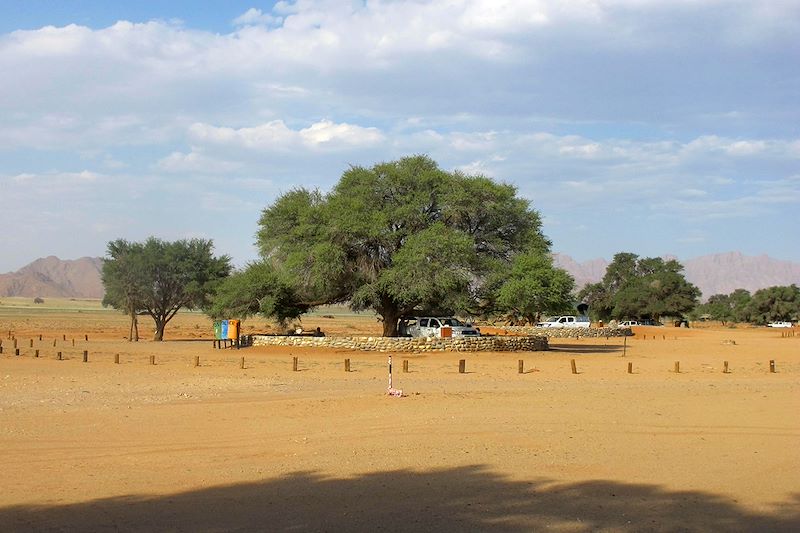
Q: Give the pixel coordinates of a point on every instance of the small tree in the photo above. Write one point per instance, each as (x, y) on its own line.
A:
(775, 304)
(641, 288)
(534, 286)
(159, 278)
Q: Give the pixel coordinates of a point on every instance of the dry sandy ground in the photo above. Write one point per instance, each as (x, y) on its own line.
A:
(169, 447)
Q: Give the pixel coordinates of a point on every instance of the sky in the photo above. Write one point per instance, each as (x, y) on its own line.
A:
(646, 126)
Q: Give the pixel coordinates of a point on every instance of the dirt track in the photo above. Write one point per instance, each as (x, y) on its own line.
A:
(134, 446)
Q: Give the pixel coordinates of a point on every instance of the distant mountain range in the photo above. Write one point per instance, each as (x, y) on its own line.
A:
(713, 274)
(51, 277)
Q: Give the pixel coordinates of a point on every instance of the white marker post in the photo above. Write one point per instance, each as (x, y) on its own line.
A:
(392, 391)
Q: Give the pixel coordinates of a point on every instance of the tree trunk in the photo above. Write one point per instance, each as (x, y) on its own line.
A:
(391, 314)
(160, 325)
(133, 336)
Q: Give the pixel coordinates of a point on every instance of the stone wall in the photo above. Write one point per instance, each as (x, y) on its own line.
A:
(510, 343)
(564, 333)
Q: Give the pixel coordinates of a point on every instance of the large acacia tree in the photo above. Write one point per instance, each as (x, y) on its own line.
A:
(399, 238)
(159, 278)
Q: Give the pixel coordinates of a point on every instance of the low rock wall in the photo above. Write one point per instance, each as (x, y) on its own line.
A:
(509, 343)
(566, 333)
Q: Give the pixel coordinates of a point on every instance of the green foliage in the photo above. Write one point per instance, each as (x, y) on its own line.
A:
(775, 304)
(733, 307)
(401, 237)
(533, 286)
(258, 289)
(158, 278)
(641, 288)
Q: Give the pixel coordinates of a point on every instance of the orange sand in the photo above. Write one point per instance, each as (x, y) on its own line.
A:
(134, 447)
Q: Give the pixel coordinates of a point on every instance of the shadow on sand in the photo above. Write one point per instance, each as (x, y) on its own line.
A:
(459, 499)
(586, 348)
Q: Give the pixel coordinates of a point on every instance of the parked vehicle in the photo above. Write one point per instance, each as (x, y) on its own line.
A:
(429, 326)
(779, 325)
(565, 322)
(628, 324)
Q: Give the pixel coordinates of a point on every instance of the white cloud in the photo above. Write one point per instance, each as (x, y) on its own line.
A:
(256, 16)
(58, 179)
(197, 163)
(276, 135)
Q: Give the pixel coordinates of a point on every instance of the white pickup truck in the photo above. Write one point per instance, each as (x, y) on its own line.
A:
(565, 322)
(428, 326)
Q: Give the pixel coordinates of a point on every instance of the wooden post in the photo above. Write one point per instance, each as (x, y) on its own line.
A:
(36, 353)
(294, 364)
(54, 343)
(86, 338)
(725, 369)
(116, 359)
(64, 337)
(15, 343)
(59, 357)
(152, 359)
(85, 356)
(677, 367)
(624, 345)
(630, 368)
(16, 351)
(462, 366)
(1, 348)
(31, 343)
(772, 366)
(574, 366)
(40, 336)
(347, 365)
(520, 367)
(73, 341)
(241, 364)
(196, 361)
(405, 366)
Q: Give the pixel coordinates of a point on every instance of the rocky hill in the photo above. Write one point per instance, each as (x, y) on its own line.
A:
(712, 274)
(51, 277)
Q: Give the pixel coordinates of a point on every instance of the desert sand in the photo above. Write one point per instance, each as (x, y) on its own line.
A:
(99, 446)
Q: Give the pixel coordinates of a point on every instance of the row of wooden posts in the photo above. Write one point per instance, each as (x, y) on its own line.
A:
(462, 363)
(14, 340)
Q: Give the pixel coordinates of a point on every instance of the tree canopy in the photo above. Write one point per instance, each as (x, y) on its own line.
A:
(733, 307)
(533, 286)
(643, 288)
(400, 238)
(159, 278)
(775, 304)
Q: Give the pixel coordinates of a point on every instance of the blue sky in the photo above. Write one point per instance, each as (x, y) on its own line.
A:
(631, 125)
